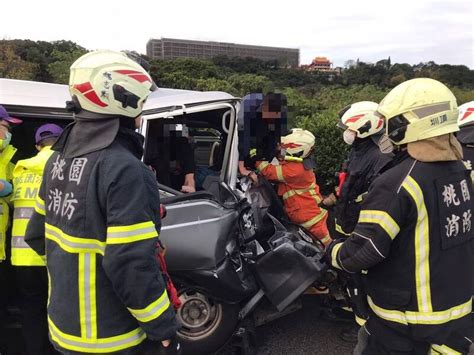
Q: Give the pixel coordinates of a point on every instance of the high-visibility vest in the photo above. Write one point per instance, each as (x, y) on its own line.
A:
(6, 170)
(27, 178)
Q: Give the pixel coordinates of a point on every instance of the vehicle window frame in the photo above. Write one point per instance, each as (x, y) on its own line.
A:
(231, 145)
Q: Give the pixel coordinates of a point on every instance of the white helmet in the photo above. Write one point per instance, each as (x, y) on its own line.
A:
(466, 114)
(419, 109)
(298, 143)
(362, 118)
(110, 83)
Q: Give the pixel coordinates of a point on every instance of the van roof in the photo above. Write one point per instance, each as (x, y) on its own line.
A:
(20, 96)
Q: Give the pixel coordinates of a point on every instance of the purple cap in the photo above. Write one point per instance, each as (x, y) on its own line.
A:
(5, 116)
(49, 130)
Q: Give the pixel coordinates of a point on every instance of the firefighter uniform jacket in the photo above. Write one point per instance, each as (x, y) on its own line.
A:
(6, 173)
(27, 177)
(413, 237)
(366, 162)
(100, 215)
(300, 193)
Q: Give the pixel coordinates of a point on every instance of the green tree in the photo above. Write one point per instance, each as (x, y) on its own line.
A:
(12, 66)
(58, 69)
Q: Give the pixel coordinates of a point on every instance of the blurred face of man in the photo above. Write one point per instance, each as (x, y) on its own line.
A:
(269, 115)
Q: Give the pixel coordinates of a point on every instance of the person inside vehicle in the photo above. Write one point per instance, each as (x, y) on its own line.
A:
(414, 232)
(175, 165)
(296, 183)
(97, 217)
(30, 270)
(7, 152)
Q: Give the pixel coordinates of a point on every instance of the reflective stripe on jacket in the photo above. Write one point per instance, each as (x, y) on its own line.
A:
(27, 177)
(6, 173)
(413, 236)
(100, 216)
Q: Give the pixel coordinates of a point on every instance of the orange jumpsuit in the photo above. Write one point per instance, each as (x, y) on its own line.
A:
(300, 193)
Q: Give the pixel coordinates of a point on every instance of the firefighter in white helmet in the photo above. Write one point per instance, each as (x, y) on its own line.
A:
(296, 183)
(363, 129)
(414, 231)
(97, 217)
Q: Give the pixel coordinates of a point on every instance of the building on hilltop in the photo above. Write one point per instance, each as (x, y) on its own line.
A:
(320, 64)
(323, 65)
(169, 48)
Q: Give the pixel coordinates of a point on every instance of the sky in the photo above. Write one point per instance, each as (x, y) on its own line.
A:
(409, 31)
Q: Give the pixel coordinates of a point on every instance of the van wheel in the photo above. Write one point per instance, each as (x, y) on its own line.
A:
(206, 325)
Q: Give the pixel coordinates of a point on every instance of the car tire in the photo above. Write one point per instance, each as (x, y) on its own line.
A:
(207, 325)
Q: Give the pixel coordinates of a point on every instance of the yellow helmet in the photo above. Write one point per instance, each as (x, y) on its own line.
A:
(362, 118)
(298, 143)
(110, 83)
(466, 114)
(418, 109)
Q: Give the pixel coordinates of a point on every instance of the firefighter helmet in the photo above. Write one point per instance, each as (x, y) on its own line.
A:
(362, 118)
(298, 143)
(110, 83)
(466, 114)
(419, 109)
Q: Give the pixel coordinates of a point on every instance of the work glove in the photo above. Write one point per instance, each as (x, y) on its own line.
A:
(252, 157)
(328, 253)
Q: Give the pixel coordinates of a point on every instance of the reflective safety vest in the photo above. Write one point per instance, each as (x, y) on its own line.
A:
(27, 178)
(6, 171)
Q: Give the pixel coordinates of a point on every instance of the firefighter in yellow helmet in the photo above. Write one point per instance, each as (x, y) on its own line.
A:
(98, 207)
(30, 270)
(414, 231)
(296, 183)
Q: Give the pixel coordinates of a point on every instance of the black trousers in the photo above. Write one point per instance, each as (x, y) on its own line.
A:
(376, 338)
(33, 287)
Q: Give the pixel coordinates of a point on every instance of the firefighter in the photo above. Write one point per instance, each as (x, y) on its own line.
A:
(30, 271)
(97, 216)
(363, 128)
(362, 131)
(7, 151)
(414, 228)
(296, 183)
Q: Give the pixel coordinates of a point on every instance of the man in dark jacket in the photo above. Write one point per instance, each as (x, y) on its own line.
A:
(414, 231)
(97, 219)
(363, 129)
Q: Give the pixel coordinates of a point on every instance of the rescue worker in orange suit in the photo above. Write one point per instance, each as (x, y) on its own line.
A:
(7, 151)
(296, 183)
(97, 218)
(30, 270)
(414, 232)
